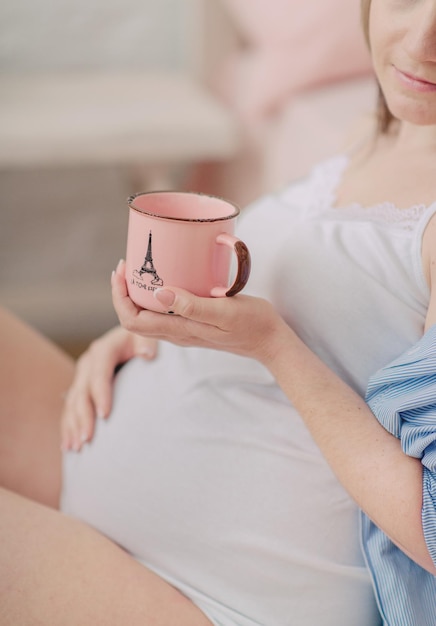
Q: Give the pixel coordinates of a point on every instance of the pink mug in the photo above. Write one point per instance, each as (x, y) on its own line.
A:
(182, 239)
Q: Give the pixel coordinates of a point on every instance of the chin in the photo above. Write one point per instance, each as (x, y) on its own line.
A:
(410, 110)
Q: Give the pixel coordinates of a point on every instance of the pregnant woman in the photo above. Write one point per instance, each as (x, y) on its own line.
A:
(224, 486)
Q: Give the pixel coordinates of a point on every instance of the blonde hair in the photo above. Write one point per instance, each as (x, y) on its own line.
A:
(384, 116)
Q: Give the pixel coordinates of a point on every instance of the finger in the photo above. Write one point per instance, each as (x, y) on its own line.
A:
(79, 411)
(78, 421)
(84, 423)
(85, 392)
(125, 308)
(132, 317)
(101, 383)
(212, 311)
(66, 437)
(101, 394)
(67, 422)
(197, 314)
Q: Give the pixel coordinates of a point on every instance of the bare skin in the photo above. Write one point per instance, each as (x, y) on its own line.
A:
(34, 377)
(53, 569)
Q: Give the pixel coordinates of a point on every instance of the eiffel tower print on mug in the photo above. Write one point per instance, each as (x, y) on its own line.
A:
(148, 268)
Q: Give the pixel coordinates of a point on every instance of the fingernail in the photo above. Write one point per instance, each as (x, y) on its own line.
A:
(165, 297)
(120, 262)
(100, 414)
(84, 437)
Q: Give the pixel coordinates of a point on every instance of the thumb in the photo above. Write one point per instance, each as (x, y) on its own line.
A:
(187, 305)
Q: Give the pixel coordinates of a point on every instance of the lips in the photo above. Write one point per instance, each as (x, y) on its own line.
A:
(415, 82)
(417, 79)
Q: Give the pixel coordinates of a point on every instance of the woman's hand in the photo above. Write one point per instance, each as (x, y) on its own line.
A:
(243, 325)
(90, 394)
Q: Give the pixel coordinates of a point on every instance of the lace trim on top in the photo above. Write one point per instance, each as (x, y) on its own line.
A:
(323, 186)
(385, 212)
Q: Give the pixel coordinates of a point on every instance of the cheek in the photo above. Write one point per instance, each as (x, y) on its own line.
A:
(382, 34)
(379, 60)
(384, 49)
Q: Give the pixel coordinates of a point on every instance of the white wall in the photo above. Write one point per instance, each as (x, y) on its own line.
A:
(54, 34)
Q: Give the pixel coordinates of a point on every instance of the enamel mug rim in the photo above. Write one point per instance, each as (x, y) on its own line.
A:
(131, 199)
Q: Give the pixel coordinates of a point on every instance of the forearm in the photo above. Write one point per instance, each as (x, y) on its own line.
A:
(367, 460)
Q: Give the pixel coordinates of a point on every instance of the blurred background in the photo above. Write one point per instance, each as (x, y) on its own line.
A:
(101, 99)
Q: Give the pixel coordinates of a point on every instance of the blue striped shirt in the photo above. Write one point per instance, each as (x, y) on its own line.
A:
(402, 396)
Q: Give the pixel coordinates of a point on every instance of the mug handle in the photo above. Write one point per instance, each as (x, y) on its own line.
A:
(244, 266)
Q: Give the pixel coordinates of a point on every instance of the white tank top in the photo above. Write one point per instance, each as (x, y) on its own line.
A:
(350, 280)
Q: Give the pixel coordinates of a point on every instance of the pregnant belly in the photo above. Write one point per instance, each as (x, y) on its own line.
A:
(216, 473)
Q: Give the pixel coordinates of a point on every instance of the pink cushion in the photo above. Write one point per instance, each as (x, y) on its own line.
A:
(291, 45)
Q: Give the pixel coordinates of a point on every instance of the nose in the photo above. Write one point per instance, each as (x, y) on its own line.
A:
(420, 40)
